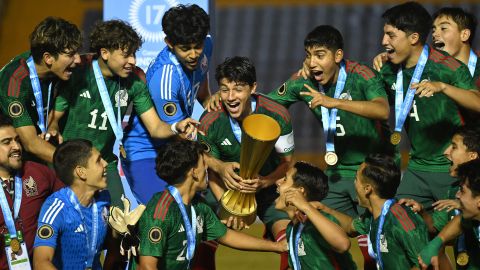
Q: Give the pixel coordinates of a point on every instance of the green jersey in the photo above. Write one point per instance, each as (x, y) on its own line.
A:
(87, 117)
(441, 218)
(355, 136)
(314, 252)
(16, 97)
(222, 144)
(432, 120)
(163, 235)
(403, 236)
(471, 230)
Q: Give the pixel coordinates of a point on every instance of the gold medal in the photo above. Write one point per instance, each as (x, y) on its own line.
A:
(122, 151)
(395, 138)
(331, 158)
(462, 258)
(15, 245)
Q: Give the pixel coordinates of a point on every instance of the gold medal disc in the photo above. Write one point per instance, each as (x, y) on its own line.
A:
(395, 138)
(123, 152)
(462, 258)
(15, 245)
(331, 158)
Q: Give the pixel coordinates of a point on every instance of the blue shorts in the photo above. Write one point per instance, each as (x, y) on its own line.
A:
(143, 179)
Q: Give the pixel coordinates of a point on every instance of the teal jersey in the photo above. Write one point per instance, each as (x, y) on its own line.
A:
(432, 120)
(403, 236)
(314, 252)
(162, 231)
(85, 113)
(471, 230)
(355, 136)
(222, 144)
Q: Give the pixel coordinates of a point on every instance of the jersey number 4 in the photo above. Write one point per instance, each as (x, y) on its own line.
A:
(104, 117)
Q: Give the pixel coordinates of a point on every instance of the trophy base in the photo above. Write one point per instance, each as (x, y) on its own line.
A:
(225, 213)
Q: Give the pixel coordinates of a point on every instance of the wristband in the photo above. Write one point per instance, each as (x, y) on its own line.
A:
(173, 127)
(431, 250)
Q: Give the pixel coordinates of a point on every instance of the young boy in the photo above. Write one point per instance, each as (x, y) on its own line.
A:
(315, 239)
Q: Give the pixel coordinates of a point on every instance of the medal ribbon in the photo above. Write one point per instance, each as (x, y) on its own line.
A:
(293, 246)
(329, 120)
(472, 62)
(37, 92)
(378, 256)
(107, 103)
(190, 228)
(91, 240)
(237, 130)
(7, 214)
(402, 107)
(188, 98)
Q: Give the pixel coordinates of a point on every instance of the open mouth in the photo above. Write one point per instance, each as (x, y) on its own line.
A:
(317, 74)
(439, 45)
(389, 51)
(16, 155)
(233, 107)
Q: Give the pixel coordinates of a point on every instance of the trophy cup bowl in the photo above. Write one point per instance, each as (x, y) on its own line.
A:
(259, 135)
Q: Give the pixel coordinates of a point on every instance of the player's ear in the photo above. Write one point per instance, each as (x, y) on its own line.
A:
(169, 44)
(338, 56)
(414, 38)
(104, 54)
(80, 172)
(465, 35)
(473, 155)
(48, 58)
(368, 189)
(254, 88)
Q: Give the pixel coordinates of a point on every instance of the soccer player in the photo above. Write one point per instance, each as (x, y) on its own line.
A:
(73, 222)
(176, 78)
(315, 239)
(175, 222)
(396, 233)
(468, 222)
(99, 92)
(412, 75)
(25, 186)
(236, 78)
(28, 81)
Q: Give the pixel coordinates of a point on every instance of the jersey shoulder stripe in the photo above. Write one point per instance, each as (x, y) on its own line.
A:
(207, 120)
(443, 59)
(402, 216)
(163, 204)
(16, 79)
(52, 211)
(362, 70)
(274, 107)
(166, 82)
(140, 74)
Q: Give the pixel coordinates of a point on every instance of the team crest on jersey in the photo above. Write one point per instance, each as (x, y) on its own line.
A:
(30, 187)
(15, 109)
(122, 97)
(170, 109)
(345, 96)
(301, 248)
(155, 235)
(207, 146)
(45, 231)
(199, 224)
(204, 64)
(282, 90)
(383, 243)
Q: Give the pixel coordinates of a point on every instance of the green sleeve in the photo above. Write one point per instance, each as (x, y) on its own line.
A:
(374, 88)
(16, 107)
(462, 78)
(412, 242)
(61, 101)
(212, 225)
(440, 219)
(154, 234)
(142, 101)
(208, 139)
(361, 224)
(289, 92)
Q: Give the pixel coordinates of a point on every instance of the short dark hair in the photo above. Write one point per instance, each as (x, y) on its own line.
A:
(5, 121)
(68, 156)
(383, 173)
(464, 19)
(469, 172)
(324, 36)
(185, 24)
(410, 17)
(176, 158)
(312, 179)
(237, 69)
(113, 35)
(471, 137)
(55, 36)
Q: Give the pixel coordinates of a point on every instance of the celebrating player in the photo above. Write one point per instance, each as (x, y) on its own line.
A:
(315, 240)
(28, 81)
(175, 222)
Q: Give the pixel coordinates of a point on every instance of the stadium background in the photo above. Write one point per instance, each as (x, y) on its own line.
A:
(269, 32)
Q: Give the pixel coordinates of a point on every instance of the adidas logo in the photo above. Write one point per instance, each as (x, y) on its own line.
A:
(181, 228)
(226, 142)
(85, 94)
(79, 229)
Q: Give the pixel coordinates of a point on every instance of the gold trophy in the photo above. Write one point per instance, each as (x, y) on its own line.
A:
(259, 135)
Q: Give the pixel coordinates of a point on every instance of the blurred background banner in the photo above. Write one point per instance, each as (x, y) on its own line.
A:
(146, 17)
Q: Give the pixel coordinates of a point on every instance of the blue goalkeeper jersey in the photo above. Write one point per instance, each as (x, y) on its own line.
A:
(60, 226)
(173, 90)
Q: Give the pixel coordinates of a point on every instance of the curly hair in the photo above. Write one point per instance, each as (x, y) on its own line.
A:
(185, 24)
(113, 35)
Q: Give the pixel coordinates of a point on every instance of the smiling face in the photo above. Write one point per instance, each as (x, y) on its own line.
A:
(397, 44)
(283, 185)
(323, 63)
(458, 153)
(96, 171)
(447, 36)
(236, 97)
(119, 62)
(187, 54)
(469, 204)
(62, 65)
(10, 151)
